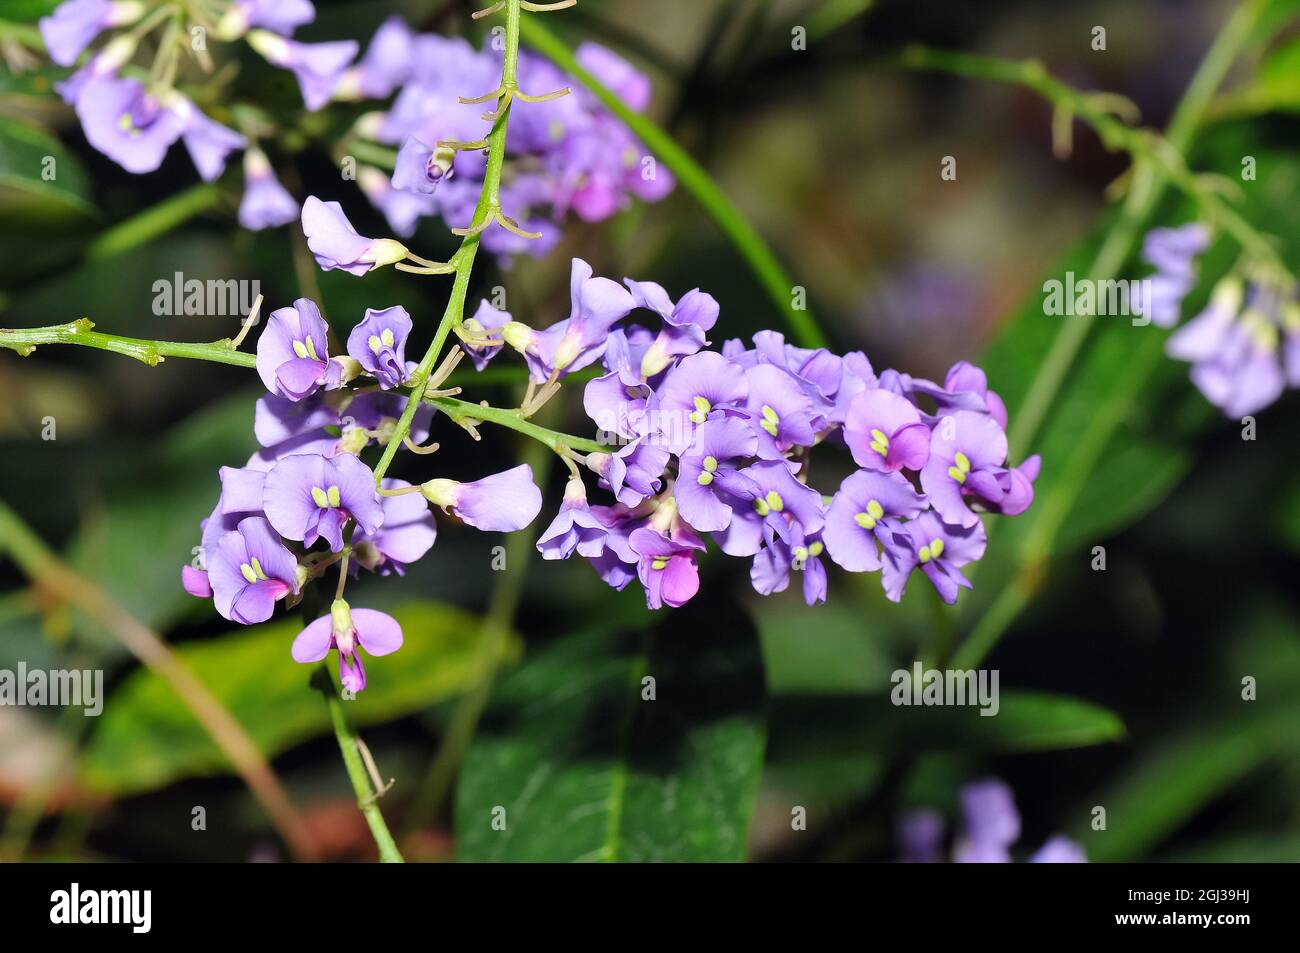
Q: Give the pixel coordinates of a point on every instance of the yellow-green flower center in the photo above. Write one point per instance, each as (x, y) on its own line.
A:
(879, 442)
(701, 411)
(305, 348)
(960, 467)
(659, 562)
(710, 467)
(868, 518)
(932, 551)
(252, 570)
(771, 421)
(378, 342)
(325, 498)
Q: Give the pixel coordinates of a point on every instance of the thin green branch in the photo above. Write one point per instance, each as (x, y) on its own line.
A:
(367, 796)
(464, 411)
(26, 340)
(747, 241)
(154, 221)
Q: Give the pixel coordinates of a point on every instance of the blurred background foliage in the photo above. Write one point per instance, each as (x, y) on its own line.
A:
(1120, 688)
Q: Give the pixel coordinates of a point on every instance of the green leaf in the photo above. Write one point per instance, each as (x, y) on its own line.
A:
(872, 725)
(147, 738)
(586, 770)
(38, 176)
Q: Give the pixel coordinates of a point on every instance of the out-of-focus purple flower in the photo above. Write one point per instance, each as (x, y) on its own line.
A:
(293, 351)
(309, 497)
(484, 323)
(208, 142)
(1059, 850)
(127, 123)
(992, 824)
(266, 203)
(920, 834)
(386, 65)
(501, 503)
(348, 629)
(403, 210)
(885, 432)
(1173, 252)
(336, 244)
(709, 484)
(421, 168)
(115, 54)
(407, 532)
(378, 344)
(666, 567)
(865, 515)
(616, 73)
(319, 67)
(575, 527)
(249, 570)
(940, 550)
(278, 16)
(74, 24)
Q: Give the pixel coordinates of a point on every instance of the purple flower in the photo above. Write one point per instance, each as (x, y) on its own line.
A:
(1059, 850)
(420, 168)
(921, 835)
(685, 323)
(866, 512)
(486, 319)
(407, 532)
(319, 67)
(378, 344)
(571, 344)
(575, 527)
(266, 203)
(772, 565)
(277, 419)
(309, 497)
(776, 500)
(885, 432)
(336, 244)
(403, 210)
(293, 351)
(249, 570)
(781, 414)
(617, 74)
(940, 550)
(278, 16)
(207, 141)
(632, 473)
(501, 503)
(195, 582)
(1173, 252)
(348, 629)
(992, 824)
(967, 451)
(74, 24)
(709, 484)
(666, 567)
(964, 381)
(693, 390)
(386, 65)
(127, 123)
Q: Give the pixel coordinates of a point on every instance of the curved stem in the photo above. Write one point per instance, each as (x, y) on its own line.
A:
(513, 419)
(367, 796)
(747, 241)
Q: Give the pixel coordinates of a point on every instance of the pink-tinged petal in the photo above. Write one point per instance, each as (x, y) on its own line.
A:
(196, 582)
(352, 673)
(909, 448)
(314, 642)
(377, 632)
(299, 377)
(681, 580)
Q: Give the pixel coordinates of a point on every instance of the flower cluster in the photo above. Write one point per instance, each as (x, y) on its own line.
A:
(567, 154)
(718, 443)
(305, 501)
(1244, 347)
(992, 826)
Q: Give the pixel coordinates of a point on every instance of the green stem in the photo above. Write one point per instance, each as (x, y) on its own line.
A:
(25, 340)
(489, 202)
(154, 221)
(367, 797)
(747, 241)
